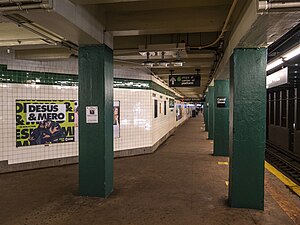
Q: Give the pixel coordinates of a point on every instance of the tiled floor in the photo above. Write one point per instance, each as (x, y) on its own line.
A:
(181, 183)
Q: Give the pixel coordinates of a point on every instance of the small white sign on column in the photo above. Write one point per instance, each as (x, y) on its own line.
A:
(91, 114)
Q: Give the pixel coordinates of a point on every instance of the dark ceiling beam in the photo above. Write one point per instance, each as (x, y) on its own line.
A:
(178, 20)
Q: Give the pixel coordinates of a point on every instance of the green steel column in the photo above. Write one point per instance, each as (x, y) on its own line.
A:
(221, 120)
(96, 139)
(211, 106)
(247, 128)
(205, 112)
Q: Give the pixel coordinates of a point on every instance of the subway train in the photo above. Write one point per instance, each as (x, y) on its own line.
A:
(283, 105)
(283, 114)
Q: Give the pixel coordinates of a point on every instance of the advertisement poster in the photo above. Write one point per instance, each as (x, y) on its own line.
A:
(116, 117)
(40, 122)
(171, 103)
(178, 112)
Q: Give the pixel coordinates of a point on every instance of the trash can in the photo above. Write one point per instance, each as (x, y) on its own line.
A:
(193, 113)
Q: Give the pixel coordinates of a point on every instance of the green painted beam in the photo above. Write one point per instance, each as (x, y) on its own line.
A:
(211, 105)
(221, 120)
(96, 139)
(247, 128)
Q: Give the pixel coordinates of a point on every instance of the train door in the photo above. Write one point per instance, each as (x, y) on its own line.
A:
(291, 117)
(296, 124)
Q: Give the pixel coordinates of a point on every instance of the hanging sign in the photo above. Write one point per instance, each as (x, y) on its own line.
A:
(278, 78)
(184, 80)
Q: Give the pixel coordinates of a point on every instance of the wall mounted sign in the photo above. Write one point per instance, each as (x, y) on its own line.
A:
(184, 80)
(43, 122)
(91, 114)
(278, 78)
(221, 102)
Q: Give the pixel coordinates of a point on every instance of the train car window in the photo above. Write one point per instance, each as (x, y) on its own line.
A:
(277, 108)
(271, 99)
(283, 108)
(291, 107)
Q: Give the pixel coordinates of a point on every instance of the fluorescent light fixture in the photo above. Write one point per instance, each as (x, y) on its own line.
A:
(274, 64)
(295, 51)
(163, 62)
(178, 62)
(292, 53)
(148, 63)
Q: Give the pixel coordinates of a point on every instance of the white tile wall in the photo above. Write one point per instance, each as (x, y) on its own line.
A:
(9, 94)
(139, 128)
(123, 72)
(135, 119)
(164, 123)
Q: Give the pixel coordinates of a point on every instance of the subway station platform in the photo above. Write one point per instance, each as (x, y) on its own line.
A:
(181, 183)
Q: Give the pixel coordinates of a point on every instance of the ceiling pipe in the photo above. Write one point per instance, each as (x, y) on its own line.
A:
(44, 4)
(224, 29)
(18, 1)
(48, 37)
(265, 6)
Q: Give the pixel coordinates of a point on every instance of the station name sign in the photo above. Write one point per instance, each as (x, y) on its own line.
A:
(184, 80)
(278, 78)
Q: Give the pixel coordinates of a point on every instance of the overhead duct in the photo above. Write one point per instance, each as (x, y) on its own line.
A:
(277, 6)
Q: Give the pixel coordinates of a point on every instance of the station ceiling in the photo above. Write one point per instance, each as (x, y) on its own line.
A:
(181, 29)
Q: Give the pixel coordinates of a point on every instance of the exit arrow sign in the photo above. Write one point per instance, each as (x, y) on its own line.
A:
(173, 80)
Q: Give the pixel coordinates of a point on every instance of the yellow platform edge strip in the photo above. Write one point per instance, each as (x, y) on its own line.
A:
(287, 181)
(222, 163)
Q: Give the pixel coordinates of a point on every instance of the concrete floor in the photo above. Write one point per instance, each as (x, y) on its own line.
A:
(181, 183)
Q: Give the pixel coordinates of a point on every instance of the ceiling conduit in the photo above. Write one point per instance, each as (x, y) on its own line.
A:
(224, 29)
(277, 6)
(15, 5)
(9, 7)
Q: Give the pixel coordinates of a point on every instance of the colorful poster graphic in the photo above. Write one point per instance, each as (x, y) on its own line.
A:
(40, 122)
(116, 111)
